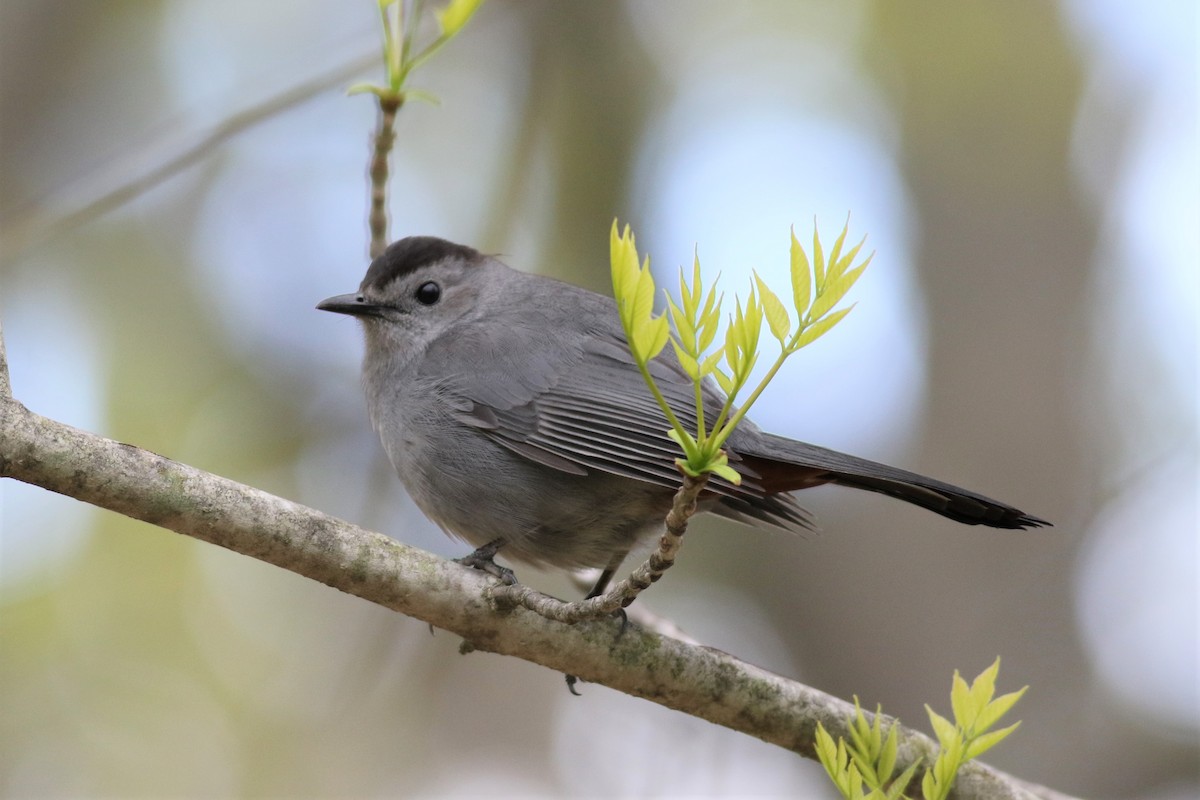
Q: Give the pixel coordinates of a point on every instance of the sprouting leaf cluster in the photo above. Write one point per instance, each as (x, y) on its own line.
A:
(971, 734)
(401, 53)
(865, 767)
(862, 768)
(818, 285)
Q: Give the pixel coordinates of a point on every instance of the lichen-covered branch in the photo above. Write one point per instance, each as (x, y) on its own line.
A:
(696, 680)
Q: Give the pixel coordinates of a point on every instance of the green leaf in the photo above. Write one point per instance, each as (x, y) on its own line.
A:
(733, 345)
(623, 260)
(741, 339)
(423, 96)
(709, 365)
(723, 380)
(929, 786)
(860, 731)
(983, 688)
(367, 88)
(948, 762)
(691, 294)
(835, 290)
(896, 789)
(865, 764)
(848, 259)
(981, 744)
(754, 320)
(940, 778)
(455, 15)
(748, 367)
(801, 277)
(643, 295)
(684, 329)
(827, 753)
(658, 334)
(623, 248)
(689, 364)
(392, 20)
(942, 728)
(820, 328)
(633, 288)
(997, 709)
(777, 316)
(728, 473)
(856, 792)
(864, 735)
(832, 271)
(887, 753)
(685, 295)
(960, 700)
(710, 318)
(685, 440)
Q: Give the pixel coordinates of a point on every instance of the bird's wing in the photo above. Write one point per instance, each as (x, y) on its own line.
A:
(580, 404)
(570, 398)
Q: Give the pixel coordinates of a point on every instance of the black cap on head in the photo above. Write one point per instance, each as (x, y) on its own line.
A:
(410, 254)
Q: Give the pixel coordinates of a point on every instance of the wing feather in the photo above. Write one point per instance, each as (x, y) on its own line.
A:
(582, 405)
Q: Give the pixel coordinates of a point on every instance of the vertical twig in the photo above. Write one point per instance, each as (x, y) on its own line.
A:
(400, 20)
(385, 137)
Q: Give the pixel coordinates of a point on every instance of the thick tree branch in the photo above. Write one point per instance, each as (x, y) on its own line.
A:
(700, 681)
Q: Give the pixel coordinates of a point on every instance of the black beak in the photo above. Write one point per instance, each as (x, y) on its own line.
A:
(352, 304)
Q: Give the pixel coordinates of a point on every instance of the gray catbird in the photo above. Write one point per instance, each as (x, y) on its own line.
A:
(513, 412)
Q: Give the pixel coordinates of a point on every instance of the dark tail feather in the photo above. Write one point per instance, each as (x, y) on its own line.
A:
(784, 465)
(958, 504)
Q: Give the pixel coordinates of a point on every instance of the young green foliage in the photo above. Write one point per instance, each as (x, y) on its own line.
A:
(869, 759)
(971, 734)
(400, 54)
(836, 760)
(817, 287)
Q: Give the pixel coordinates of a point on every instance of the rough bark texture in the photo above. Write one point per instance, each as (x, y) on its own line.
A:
(700, 681)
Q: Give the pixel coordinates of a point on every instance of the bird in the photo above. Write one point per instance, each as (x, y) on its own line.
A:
(514, 414)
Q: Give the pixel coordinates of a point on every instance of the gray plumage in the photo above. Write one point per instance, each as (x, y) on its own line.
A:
(511, 409)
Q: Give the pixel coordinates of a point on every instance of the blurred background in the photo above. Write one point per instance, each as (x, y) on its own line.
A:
(1026, 171)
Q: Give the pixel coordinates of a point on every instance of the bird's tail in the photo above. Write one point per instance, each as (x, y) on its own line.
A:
(785, 465)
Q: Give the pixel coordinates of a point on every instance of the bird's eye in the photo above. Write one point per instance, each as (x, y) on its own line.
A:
(428, 293)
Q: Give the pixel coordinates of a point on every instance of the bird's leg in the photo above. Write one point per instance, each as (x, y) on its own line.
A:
(483, 559)
(606, 576)
(602, 586)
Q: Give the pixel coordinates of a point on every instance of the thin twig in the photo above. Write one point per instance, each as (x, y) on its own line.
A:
(625, 592)
(385, 137)
(37, 224)
(638, 614)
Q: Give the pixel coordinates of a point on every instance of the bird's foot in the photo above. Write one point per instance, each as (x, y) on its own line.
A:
(483, 559)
